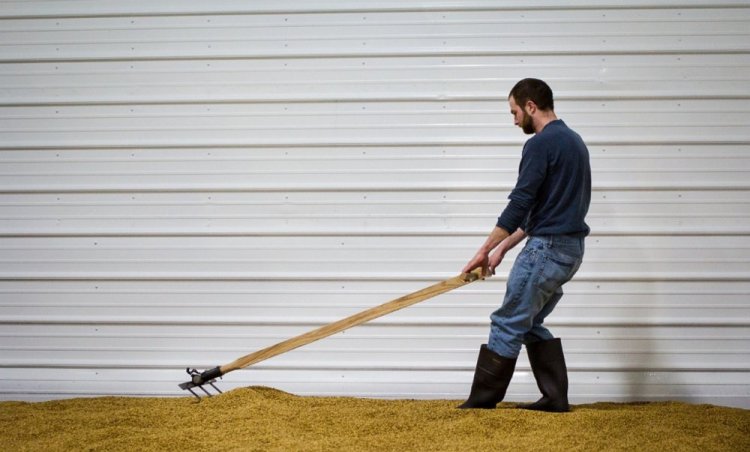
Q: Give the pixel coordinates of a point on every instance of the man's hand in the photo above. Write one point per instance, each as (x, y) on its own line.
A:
(481, 259)
(495, 259)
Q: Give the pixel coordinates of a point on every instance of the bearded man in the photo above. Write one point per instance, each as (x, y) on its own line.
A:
(548, 205)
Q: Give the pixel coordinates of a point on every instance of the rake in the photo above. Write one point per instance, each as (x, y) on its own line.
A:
(198, 379)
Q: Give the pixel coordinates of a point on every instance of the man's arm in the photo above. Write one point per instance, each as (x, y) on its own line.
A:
(505, 246)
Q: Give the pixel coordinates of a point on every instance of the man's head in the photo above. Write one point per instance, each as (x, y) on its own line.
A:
(529, 99)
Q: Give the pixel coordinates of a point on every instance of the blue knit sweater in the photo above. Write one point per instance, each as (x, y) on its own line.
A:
(553, 191)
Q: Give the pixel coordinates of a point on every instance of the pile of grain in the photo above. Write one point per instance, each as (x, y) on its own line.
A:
(266, 419)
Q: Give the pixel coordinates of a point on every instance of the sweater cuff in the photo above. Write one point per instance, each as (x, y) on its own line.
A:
(511, 218)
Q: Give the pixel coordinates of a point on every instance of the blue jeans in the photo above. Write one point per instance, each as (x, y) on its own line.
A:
(533, 290)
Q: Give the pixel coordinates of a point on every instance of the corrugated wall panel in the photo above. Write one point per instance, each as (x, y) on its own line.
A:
(183, 183)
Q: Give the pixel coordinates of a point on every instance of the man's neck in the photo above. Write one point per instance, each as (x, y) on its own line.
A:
(542, 119)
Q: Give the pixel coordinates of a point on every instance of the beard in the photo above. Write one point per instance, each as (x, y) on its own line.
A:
(527, 124)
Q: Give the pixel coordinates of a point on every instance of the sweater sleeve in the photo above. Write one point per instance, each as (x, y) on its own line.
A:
(531, 175)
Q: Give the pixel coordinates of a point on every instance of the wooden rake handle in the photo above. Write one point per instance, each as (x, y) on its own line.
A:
(354, 320)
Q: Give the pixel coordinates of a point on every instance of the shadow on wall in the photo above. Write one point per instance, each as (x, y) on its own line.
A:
(654, 374)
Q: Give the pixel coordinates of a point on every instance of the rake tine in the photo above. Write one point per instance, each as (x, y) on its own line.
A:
(204, 390)
(213, 386)
(196, 395)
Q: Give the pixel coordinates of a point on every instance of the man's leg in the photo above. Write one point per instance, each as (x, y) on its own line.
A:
(538, 331)
(526, 296)
(496, 362)
(545, 352)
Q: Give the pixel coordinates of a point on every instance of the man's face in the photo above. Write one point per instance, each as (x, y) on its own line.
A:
(521, 118)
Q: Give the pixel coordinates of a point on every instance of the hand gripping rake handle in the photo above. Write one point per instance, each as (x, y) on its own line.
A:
(198, 379)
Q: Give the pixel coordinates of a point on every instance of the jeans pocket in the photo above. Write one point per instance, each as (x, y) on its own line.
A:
(527, 256)
(563, 259)
(558, 269)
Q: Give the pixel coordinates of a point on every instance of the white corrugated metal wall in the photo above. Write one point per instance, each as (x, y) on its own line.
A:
(182, 183)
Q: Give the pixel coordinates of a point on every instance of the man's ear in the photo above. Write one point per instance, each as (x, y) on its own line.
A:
(530, 108)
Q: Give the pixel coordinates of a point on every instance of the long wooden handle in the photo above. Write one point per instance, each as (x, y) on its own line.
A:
(354, 320)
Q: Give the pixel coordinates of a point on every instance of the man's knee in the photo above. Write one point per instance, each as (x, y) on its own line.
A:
(537, 334)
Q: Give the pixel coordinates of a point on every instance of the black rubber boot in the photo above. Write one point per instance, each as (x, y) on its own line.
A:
(551, 374)
(491, 379)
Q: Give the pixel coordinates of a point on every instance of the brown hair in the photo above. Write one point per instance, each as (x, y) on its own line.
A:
(535, 90)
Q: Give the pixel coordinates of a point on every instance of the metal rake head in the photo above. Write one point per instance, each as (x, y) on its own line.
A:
(198, 379)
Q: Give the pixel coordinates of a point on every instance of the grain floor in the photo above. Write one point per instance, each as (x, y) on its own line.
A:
(264, 419)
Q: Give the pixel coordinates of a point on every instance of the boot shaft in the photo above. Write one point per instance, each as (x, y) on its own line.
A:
(551, 373)
(491, 379)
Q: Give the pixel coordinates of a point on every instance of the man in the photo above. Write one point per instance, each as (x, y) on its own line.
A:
(548, 204)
